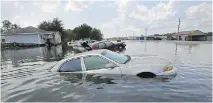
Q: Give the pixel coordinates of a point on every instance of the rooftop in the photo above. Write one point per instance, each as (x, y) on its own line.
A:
(189, 32)
(26, 30)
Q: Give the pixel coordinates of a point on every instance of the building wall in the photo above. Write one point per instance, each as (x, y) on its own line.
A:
(41, 38)
(184, 37)
(22, 38)
(51, 36)
(197, 38)
(57, 38)
(209, 38)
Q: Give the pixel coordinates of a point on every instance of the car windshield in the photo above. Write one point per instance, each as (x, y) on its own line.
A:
(122, 59)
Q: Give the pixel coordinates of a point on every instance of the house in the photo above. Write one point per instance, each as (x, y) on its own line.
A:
(31, 35)
(193, 35)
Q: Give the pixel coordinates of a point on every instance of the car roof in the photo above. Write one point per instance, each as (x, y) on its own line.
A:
(99, 51)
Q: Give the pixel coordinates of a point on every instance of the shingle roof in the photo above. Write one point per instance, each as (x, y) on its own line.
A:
(185, 32)
(29, 29)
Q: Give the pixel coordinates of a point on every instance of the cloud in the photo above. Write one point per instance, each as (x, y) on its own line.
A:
(25, 13)
(121, 5)
(48, 5)
(119, 18)
(198, 17)
(199, 11)
(77, 6)
(133, 16)
(161, 11)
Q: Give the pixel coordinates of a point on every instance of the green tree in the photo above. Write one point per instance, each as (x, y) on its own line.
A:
(96, 34)
(54, 25)
(83, 31)
(69, 35)
(45, 25)
(80, 32)
(7, 26)
(15, 26)
(86, 31)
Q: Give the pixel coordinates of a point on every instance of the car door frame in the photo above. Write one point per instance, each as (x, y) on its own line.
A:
(110, 47)
(107, 59)
(82, 70)
(103, 43)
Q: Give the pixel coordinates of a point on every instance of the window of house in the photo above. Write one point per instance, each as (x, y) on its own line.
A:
(3, 40)
(95, 62)
(71, 66)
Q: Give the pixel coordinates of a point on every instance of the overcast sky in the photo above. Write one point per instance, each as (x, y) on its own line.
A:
(114, 18)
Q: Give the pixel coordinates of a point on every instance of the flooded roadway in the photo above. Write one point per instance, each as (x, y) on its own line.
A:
(26, 77)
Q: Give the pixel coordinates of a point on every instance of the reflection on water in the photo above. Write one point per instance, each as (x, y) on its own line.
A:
(24, 62)
(26, 76)
(32, 54)
(88, 78)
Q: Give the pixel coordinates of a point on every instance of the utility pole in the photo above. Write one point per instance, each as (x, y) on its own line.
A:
(178, 29)
(145, 37)
(146, 33)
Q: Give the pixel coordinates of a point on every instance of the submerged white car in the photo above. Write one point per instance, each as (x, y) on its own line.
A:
(108, 62)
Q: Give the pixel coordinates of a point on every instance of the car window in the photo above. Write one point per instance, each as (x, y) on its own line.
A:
(101, 45)
(115, 56)
(95, 62)
(71, 66)
(108, 43)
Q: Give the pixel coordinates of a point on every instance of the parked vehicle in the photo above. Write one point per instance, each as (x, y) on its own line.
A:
(118, 40)
(108, 62)
(78, 43)
(113, 46)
